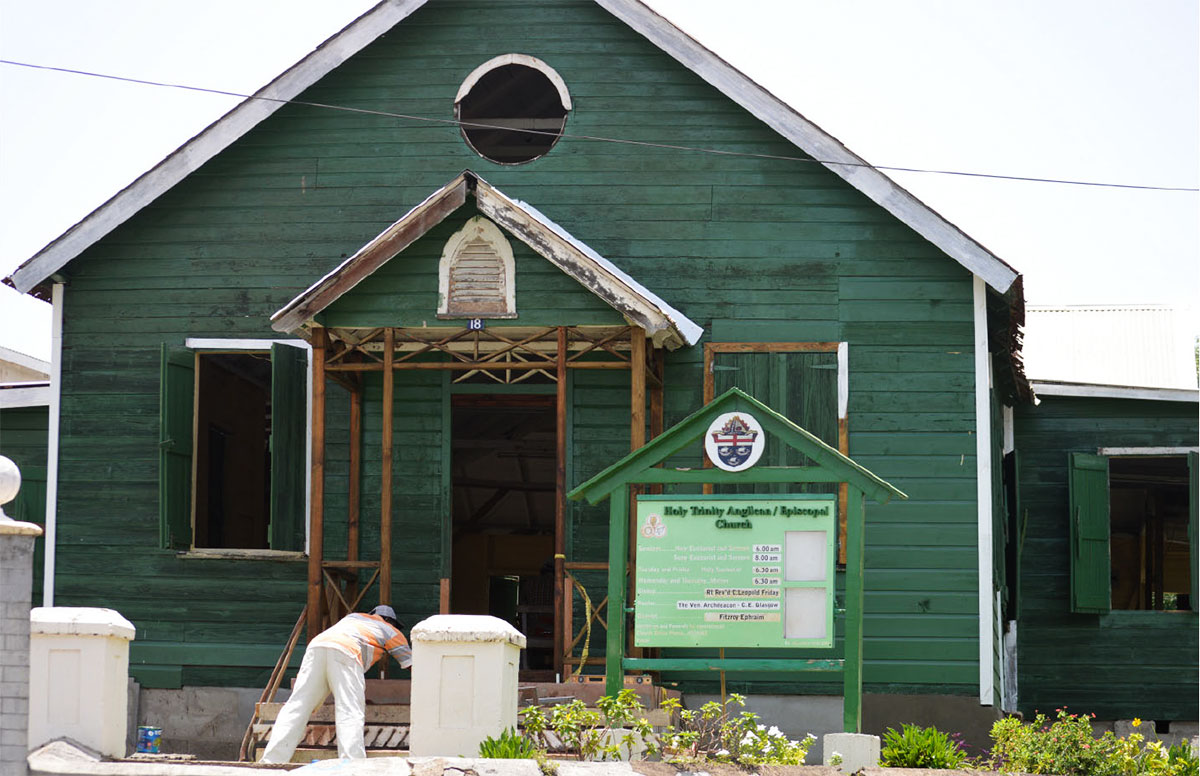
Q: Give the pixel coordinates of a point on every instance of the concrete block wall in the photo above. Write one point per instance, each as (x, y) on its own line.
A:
(16, 587)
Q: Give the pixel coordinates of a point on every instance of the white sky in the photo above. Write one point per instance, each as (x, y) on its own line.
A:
(1087, 89)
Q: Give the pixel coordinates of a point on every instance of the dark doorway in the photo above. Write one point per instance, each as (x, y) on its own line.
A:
(503, 504)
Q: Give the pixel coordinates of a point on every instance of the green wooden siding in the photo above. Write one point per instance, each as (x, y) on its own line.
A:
(1117, 665)
(23, 438)
(751, 249)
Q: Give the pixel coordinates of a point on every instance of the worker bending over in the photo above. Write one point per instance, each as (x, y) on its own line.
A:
(336, 661)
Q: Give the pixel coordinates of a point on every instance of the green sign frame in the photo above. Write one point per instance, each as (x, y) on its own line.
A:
(717, 571)
(646, 466)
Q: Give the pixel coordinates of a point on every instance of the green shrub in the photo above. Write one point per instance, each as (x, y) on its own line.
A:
(509, 746)
(1068, 746)
(918, 747)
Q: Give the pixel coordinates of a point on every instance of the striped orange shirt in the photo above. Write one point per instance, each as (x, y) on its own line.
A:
(365, 637)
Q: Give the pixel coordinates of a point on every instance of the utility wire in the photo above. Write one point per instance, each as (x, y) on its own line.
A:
(595, 138)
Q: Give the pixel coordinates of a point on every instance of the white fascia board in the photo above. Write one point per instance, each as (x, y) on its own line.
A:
(1152, 451)
(814, 141)
(604, 274)
(983, 491)
(1089, 390)
(24, 360)
(212, 140)
(15, 395)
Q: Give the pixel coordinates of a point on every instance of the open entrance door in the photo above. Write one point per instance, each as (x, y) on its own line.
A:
(503, 503)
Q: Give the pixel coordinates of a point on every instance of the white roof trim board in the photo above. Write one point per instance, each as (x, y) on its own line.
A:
(807, 136)
(33, 394)
(664, 325)
(24, 360)
(1091, 390)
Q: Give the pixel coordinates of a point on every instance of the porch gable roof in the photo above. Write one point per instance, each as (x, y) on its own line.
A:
(664, 325)
(689, 430)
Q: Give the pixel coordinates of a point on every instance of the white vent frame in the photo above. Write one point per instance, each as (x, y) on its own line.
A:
(477, 228)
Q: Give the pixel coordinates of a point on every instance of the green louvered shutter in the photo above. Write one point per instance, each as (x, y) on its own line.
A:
(1193, 495)
(1090, 585)
(176, 394)
(289, 394)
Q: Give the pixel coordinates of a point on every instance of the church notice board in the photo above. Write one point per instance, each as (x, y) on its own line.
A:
(735, 570)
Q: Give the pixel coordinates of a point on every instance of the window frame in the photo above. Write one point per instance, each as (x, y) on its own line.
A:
(712, 349)
(198, 346)
(1108, 453)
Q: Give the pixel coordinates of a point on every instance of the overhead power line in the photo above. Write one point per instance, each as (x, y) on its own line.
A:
(596, 138)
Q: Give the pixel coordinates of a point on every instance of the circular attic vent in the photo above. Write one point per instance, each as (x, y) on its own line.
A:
(523, 102)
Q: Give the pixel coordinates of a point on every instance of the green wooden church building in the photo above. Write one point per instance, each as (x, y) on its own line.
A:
(357, 340)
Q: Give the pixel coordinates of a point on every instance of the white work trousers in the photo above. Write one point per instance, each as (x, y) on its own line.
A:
(323, 670)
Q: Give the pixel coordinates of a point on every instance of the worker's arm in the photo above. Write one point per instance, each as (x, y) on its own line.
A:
(397, 647)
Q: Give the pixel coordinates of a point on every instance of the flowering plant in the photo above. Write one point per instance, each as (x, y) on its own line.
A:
(1068, 746)
(713, 733)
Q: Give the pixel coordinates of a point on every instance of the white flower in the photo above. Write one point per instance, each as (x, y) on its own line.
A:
(811, 736)
(775, 732)
(722, 753)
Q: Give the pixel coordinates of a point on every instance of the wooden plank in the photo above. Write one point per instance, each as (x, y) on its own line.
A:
(354, 492)
(562, 622)
(376, 713)
(618, 539)
(316, 519)
(385, 486)
(853, 643)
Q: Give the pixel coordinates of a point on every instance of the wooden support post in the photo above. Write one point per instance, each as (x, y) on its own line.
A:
(355, 484)
(656, 394)
(618, 540)
(316, 516)
(637, 383)
(852, 676)
(444, 595)
(637, 435)
(385, 496)
(562, 623)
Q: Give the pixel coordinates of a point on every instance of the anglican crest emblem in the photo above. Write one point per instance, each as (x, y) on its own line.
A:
(654, 527)
(734, 441)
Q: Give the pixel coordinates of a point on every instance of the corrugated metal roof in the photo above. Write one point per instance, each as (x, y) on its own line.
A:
(1148, 346)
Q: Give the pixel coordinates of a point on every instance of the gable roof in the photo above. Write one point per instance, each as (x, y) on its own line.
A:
(731, 82)
(689, 430)
(666, 326)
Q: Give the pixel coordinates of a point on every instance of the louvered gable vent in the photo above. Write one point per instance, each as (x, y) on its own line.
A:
(476, 276)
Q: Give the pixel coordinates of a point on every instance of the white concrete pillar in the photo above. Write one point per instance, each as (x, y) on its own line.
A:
(78, 677)
(464, 685)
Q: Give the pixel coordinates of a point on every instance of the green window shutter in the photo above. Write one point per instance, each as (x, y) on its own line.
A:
(177, 390)
(289, 423)
(1193, 495)
(1090, 583)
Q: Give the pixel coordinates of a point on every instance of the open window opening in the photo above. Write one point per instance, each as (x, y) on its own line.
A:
(503, 502)
(233, 448)
(1148, 520)
(521, 101)
(233, 462)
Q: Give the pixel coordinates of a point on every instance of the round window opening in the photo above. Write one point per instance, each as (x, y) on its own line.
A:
(513, 109)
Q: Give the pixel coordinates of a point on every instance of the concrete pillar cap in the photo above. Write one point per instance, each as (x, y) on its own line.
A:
(79, 621)
(467, 628)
